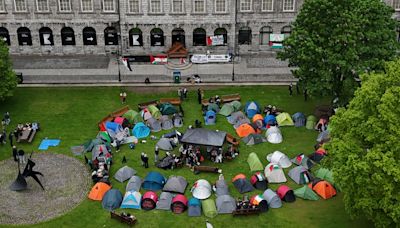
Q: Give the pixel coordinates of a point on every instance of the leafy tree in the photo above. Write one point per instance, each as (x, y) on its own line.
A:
(333, 41)
(8, 80)
(364, 152)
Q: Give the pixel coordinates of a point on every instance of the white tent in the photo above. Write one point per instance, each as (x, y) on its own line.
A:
(274, 135)
(201, 189)
(274, 173)
(279, 158)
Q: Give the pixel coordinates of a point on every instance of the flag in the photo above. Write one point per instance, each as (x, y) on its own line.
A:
(126, 63)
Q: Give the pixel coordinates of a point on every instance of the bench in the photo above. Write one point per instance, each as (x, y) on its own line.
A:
(208, 169)
(173, 101)
(144, 105)
(123, 219)
(232, 140)
(114, 114)
(249, 211)
(230, 97)
(27, 136)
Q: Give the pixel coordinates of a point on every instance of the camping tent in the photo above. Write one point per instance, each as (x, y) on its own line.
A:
(132, 116)
(226, 204)
(251, 108)
(194, 207)
(325, 174)
(124, 174)
(323, 136)
(279, 158)
(213, 107)
(154, 181)
(323, 189)
(113, 127)
(286, 194)
(122, 121)
(145, 114)
(226, 110)
(91, 144)
(100, 151)
(270, 120)
(209, 208)
(131, 200)
(253, 139)
(284, 119)
(210, 118)
(175, 184)
(241, 121)
(274, 173)
(112, 199)
(303, 160)
(166, 123)
(134, 184)
(98, 191)
(155, 112)
(201, 189)
(167, 109)
(300, 175)
(236, 105)
(274, 135)
(164, 202)
(245, 130)
(254, 162)
(259, 181)
(179, 204)
(149, 201)
(318, 155)
(202, 136)
(299, 119)
(164, 144)
(221, 188)
(154, 125)
(272, 199)
(140, 130)
(178, 121)
(104, 136)
(259, 121)
(242, 184)
(234, 117)
(306, 193)
(260, 202)
(311, 121)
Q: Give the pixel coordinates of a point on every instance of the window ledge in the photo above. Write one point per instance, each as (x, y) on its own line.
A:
(161, 13)
(20, 12)
(177, 13)
(42, 12)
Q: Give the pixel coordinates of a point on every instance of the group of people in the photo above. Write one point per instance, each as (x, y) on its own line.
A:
(182, 93)
(244, 203)
(18, 155)
(122, 97)
(145, 160)
(271, 110)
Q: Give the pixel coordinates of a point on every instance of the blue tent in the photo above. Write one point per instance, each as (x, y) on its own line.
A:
(194, 206)
(112, 199)
(299, 119)
(113, 126)
(154, 181)
(251, 108)
(131, 200)
(210, 118)
(270, 119)
(141, 130)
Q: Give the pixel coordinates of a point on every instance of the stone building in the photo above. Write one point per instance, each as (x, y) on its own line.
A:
(142, 27)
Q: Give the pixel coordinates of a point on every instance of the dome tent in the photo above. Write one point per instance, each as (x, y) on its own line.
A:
(270, 120)
(274, 173)
(253, 139)
(299, 119)
(240, 122)
(306, 193)
(274, 135)
(201, 189)
(242, 184)
(245, 130)
(260, 202)
(154, 125)
(167, 109)
(98, 191)
(226, 204)
(258, 119)
(124, 174)
(259, 181)
(279, 158)
(221, 188)
(179, 204)
(300, 175)
(272, 199)
(323, 188)
(178, 121)
(194, 209)
(284, 119)
(234, 117)
(213, 107)
(210, 118)
(252, 108)
(112, 199)
(149, 201)
(132, 116)
(227, 109)
(131, 200)
(155, 112)
(254, 162)
(164, 202)
(175, 184)
(140, 130)
(303, 160)
(154, 181)
(325, 174)
(164, 144)
(134, 184)
(236, 105)
(166, 123)
(286, 194)
(145, 114)
(311, 121)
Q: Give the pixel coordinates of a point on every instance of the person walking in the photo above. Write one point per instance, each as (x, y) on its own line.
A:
(146, 161)
(10, 138)
(199, 95)
(156, 153)
(15, 153)
(291, 89)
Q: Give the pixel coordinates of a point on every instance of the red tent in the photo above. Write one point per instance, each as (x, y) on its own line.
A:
(149, 200)
(286, 194)
(179, 204)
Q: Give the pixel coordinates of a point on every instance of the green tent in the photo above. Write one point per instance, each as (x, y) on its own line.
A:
(284, 119)
(311, 121)
(209, 208)
(167, 109)
(236, 105)
(103, 135)
(306, 193)
(155, 112)
(254, 162)
(325, 174)
(213, 107)
(132, 116)
(226, 110)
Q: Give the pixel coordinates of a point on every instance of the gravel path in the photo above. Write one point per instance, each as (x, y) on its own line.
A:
(65, 181)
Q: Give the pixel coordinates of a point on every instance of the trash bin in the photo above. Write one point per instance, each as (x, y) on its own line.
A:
(177, 77)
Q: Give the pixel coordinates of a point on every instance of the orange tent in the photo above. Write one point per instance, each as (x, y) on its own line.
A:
(245, 130)
(324, 189)
(98, 191)
(258, 117)
(239, 176)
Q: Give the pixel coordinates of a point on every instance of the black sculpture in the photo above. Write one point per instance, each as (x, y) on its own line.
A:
(20, 183)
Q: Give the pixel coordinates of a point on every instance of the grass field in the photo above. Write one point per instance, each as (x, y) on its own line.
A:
(71, 114)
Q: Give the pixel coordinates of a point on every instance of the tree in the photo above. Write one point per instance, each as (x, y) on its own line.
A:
(8, 80)
(333, 41)
(364, 152)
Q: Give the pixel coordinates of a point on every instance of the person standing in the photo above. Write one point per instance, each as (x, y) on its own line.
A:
(7, 118)
(15, 153)
(21, 156)
(123, 97)
(291, 89)
(199, 95)
(10, 138)
(142, 158)
(156, 153)
(185, 92)
(146, 161)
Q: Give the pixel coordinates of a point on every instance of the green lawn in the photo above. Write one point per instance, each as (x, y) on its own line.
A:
(71, 114)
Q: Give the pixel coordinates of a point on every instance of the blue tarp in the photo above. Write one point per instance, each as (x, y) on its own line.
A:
(141, 130)
(113, 126)
(251, 108)
(44, 145)
(154, 181)
(210, 117)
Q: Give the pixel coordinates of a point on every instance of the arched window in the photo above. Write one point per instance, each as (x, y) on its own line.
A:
(67, 36)
(5, 36)
(245, 36)
(286, 31)
(110, 36)
(135, 37)
(156, 37)
(89, 36)
(46, 36)
(264, 35)
(24, 36)
(222, 32)
(178, 36)
(199, 37)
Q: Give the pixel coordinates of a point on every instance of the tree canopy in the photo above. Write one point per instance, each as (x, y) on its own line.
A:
(333, 41)
(364, 149)
(8, 80)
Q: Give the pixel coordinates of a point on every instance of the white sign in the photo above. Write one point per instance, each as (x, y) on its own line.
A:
(135, 40)
(276, 37)
(46, 39)
(210, 58)
(215, 40)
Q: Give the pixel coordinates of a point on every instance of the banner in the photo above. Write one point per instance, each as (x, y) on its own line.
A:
(158, 59)
(215, 40)
(275, 40)
(210, 58)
